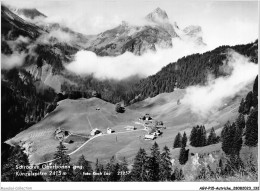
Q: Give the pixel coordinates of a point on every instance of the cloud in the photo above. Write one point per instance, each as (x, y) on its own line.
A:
(205, 100)
(56, 35)
(128, 64)
(14, 44)
(11, 61)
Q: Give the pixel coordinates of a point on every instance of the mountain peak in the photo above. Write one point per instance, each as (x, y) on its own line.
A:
(158, 15)
(30, 13)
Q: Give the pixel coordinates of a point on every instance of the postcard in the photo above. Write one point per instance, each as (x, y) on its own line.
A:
(129, 95)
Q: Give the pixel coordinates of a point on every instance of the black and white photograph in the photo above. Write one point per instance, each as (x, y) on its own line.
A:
(154, 94)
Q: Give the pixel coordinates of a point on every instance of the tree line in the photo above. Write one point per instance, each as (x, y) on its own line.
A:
(192, 70)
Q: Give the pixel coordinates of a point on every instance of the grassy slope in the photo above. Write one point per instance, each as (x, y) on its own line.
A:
(80, 116)
(76, 116)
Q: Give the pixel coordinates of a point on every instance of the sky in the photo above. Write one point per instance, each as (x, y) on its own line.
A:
(222, 22)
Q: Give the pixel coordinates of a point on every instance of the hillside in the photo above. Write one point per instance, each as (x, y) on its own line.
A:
(80, 116)
(192, 70)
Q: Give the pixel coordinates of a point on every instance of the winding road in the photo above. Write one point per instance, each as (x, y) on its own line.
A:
(99, 135)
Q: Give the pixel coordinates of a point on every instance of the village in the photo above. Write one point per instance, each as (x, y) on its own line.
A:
(154, 130)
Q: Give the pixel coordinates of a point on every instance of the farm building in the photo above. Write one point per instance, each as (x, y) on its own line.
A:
(130, 128)
(109, 131)
(156, 133)
(95, 131)
(154, 125)
(146, 117)
(60, 134)
(150, 137)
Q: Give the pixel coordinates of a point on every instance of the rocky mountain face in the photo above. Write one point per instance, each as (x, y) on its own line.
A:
(156, 33)
(13, 26)
(46, 53)
(160, 17)
(28, 13)
(125, 37)
(194, 33)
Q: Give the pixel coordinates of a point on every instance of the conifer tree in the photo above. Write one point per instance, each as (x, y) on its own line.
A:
(220, 168)
(102, 177)
(108, 170)
(255, 86)
(251, 133)
(193, 137)
(124, 176)
(198, 136)
(241, 106)
(248, 102)
(237, 141)
(212, 139)
(9, 171)
(240, 121)
(228, 134)
(153, 163)
(86, 168)
(177, 174)
(184, 155)
(112, 169)
(61, 159)
(177, 141)
(184, 140)
(99, 170)
(114, 176)
(165, 165)
(255, 93)
(231, 139)
(202, 140)
(140, 167)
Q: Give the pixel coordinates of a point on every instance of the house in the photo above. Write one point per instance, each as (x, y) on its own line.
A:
(109, 131)
(60, 135)
(95, 131)
(130, 128)
(146, 117)
(157, 132)
(150, 137)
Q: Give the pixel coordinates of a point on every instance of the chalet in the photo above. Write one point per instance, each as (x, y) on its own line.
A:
(95, 131)
(157, 132)
(130, 128)
(109, 131)
(60, 134)
(146, 117)
(149, 137)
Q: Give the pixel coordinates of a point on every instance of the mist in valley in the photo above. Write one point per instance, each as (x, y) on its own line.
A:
(206, 100)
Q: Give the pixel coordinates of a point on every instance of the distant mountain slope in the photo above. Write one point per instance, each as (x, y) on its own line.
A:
(12, 26)
(160, 17)
(192, 70)
(46, 55)
(29, 13)
(136, 39)
(157, 32)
